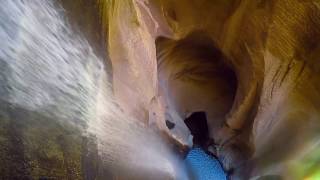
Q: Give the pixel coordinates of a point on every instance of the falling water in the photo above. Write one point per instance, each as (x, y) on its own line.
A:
(48, 68)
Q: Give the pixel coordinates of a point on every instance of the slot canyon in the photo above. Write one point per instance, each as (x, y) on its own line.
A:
(129, 89)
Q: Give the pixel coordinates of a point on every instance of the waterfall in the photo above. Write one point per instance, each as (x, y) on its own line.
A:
(48, 68)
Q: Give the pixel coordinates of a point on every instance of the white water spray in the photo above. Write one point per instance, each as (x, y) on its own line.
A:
(46, 67)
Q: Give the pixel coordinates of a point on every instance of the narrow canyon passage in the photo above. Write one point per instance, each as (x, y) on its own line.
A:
(245, 64)
(195, 76)
(160, 89)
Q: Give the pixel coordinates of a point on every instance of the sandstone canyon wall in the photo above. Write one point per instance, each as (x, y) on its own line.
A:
(252, 65)
(265, 118)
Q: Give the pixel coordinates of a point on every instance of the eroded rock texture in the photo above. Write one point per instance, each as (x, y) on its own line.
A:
(253, 66)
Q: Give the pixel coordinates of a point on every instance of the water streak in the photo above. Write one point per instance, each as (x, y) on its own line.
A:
(48, 68)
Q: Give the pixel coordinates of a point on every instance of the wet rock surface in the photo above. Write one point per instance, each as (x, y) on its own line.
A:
(34, 146)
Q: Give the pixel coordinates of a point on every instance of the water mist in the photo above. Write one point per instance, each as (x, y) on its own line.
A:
(48, 68)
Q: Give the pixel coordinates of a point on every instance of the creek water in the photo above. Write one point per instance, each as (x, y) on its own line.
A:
(48, 68)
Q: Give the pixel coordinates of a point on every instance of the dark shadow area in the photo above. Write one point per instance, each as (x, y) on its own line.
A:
(169, 124)
(197, 123)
